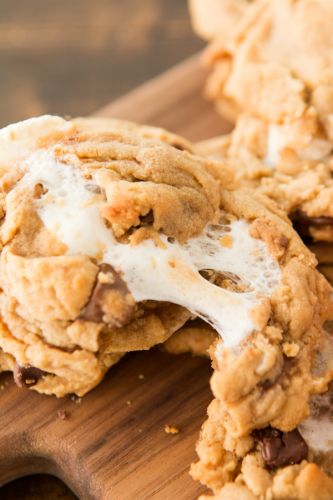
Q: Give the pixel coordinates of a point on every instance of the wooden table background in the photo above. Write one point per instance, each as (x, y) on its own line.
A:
(71, 57)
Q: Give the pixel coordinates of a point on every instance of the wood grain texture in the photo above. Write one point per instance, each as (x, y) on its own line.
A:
(173, 100)
(113, 444)
(71, 57)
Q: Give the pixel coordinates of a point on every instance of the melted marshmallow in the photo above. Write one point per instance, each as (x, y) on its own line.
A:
(20, 139)
(279, 138)
(317, 430)
(318, 433)
(72, 213)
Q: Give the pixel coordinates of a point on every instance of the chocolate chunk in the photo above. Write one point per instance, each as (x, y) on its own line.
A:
(279, 449)
(302, 222)
(27, 376)
(148, 219)
(111, 301)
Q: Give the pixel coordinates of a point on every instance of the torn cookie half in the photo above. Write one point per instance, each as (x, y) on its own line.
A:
(113, 238)
(92, 212)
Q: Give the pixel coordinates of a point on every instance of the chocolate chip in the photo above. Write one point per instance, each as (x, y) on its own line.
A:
(111, 301)
(278, 448)
(27, 376)
(302, 222)
(148, 219)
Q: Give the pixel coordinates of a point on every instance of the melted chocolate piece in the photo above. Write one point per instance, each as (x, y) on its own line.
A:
(279, 449)
(27, 376)
(111, 301)
(303, 222)
(148, 219)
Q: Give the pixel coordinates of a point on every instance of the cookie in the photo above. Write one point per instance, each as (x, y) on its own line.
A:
(281, 165)
(255, 442)
(281, 97)
(257, 72)
(113, 238)
(83, 203)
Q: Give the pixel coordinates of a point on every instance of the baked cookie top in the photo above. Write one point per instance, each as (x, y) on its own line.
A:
(71, 191)
(113, 236)
(259, 72)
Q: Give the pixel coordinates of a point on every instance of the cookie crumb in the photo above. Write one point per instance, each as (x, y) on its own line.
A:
(290, 349)
(62, 414)
(128, 403)
(171, 429)
(141, 376)
(139, 431)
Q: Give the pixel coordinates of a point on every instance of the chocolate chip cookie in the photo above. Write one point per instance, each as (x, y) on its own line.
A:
(280, 94)
(260, 439)
(276, 63)
(83, 204)
(113, 237)
(297, 176)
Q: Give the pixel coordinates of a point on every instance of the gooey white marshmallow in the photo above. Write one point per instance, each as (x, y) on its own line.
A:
(280, 137)
(72, 212)
(317, 430)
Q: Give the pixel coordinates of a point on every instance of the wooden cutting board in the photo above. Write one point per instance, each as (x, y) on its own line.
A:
(112, 443)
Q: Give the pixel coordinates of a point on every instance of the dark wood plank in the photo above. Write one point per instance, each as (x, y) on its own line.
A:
(71, 57)
(37, 487)
(173, 100)
(112, 445)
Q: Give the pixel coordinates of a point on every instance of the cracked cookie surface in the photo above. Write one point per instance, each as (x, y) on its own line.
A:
(281, 97)
(253, 444)
(69, 191)
(295, 172)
